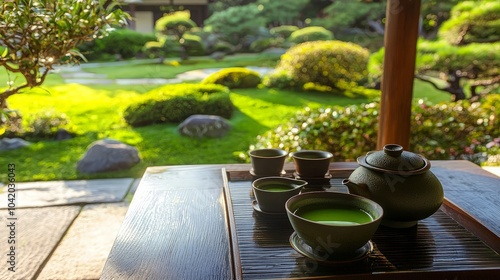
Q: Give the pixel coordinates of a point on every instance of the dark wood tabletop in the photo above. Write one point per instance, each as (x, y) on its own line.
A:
(197, 222)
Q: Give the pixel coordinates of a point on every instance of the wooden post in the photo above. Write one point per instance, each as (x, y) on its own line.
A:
(401, 33)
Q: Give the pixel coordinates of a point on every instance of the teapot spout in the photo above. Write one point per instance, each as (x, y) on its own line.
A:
(358, 189)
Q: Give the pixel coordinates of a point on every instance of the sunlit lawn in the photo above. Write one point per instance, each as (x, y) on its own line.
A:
(95, 112)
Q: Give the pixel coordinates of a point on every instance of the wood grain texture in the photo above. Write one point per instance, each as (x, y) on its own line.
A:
(437, 244)
(175, 228)
(475, 193)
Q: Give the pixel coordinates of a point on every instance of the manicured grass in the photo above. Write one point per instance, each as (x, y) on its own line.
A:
(168, 71)
(96, 113)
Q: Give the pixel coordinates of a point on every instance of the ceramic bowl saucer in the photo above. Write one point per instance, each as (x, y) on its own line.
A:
(252, 172)
(257, 209)
(325, 180)
(333, 260)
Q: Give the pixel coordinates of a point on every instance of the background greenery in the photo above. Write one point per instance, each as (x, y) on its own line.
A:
(95, 112)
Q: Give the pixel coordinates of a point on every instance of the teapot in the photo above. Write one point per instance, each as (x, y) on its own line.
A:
(401, 182)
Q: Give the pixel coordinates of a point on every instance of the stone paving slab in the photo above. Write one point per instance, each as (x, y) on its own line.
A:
(83, 251)
(37, 231)
(51, 193)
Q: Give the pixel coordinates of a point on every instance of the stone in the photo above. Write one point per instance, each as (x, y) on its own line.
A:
(108, 155)
(63, 134)
(204, 126)
(37, 232)
(83, 251)
(12, 143)
(52, 193)
(218, 55)
(277, 51)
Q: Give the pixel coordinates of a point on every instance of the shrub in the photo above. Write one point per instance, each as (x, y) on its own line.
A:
(336, 64)
(311, 33)
(460, 130)
(236, 77)
(174, 103)
(283, 31)
(193, 44)
(223, 46)
(45, 124)
(262, 44)
(124, 43)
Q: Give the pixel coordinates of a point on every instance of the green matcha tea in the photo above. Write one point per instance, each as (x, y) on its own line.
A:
(334, 215)
(276, 187)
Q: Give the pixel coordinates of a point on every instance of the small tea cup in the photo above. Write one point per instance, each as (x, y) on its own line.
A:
(312, 163)
(271, 193)
(267, 162)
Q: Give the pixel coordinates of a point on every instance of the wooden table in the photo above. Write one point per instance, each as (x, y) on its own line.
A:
(197, 222)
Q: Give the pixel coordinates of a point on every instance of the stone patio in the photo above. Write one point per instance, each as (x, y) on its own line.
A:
(64, 229)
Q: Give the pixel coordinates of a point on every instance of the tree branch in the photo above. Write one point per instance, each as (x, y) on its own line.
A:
(428, 80)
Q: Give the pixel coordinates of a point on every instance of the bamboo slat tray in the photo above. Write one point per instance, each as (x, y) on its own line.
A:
(438, 247)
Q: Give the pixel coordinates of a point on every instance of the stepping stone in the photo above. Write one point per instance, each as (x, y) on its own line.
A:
(83, 251)
(37, 232)
(51, 193)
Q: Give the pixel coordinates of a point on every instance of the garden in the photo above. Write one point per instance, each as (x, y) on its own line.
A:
(322, 93)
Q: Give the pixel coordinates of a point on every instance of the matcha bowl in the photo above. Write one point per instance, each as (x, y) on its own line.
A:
(271, 193)
(333, 223)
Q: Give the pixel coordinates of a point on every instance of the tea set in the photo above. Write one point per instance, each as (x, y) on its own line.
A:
(391, 187)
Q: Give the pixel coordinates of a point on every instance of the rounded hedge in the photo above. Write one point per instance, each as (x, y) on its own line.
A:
(283, 31)
(460, 130)
(335, 64)
(235, 77)
(311, 33)
(124, 43)
(174, 103)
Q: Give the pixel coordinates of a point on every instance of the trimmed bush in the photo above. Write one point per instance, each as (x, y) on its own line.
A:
(193, 44)
(262, 44)
(124, 43)
(223, 46)
(174, 103)
(460, 130)
(37, 126)
(311, 33)
(335, 64)
(176, 23)
(283, 31)
(236, 77)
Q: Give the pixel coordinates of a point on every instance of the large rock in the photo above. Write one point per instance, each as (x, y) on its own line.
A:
(204, 126)
(12, 143)
(108, 155)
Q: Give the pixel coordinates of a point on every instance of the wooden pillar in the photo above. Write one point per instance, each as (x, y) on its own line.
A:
(401, 33)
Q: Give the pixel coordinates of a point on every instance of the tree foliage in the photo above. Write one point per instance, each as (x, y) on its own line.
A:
(35, 35)
(349, 13)
(472, 22)
(174, 26)
(277, 13)
(235, 23)
(468, 52)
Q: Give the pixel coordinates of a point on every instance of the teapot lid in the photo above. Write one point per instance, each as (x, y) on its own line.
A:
(393, 159)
